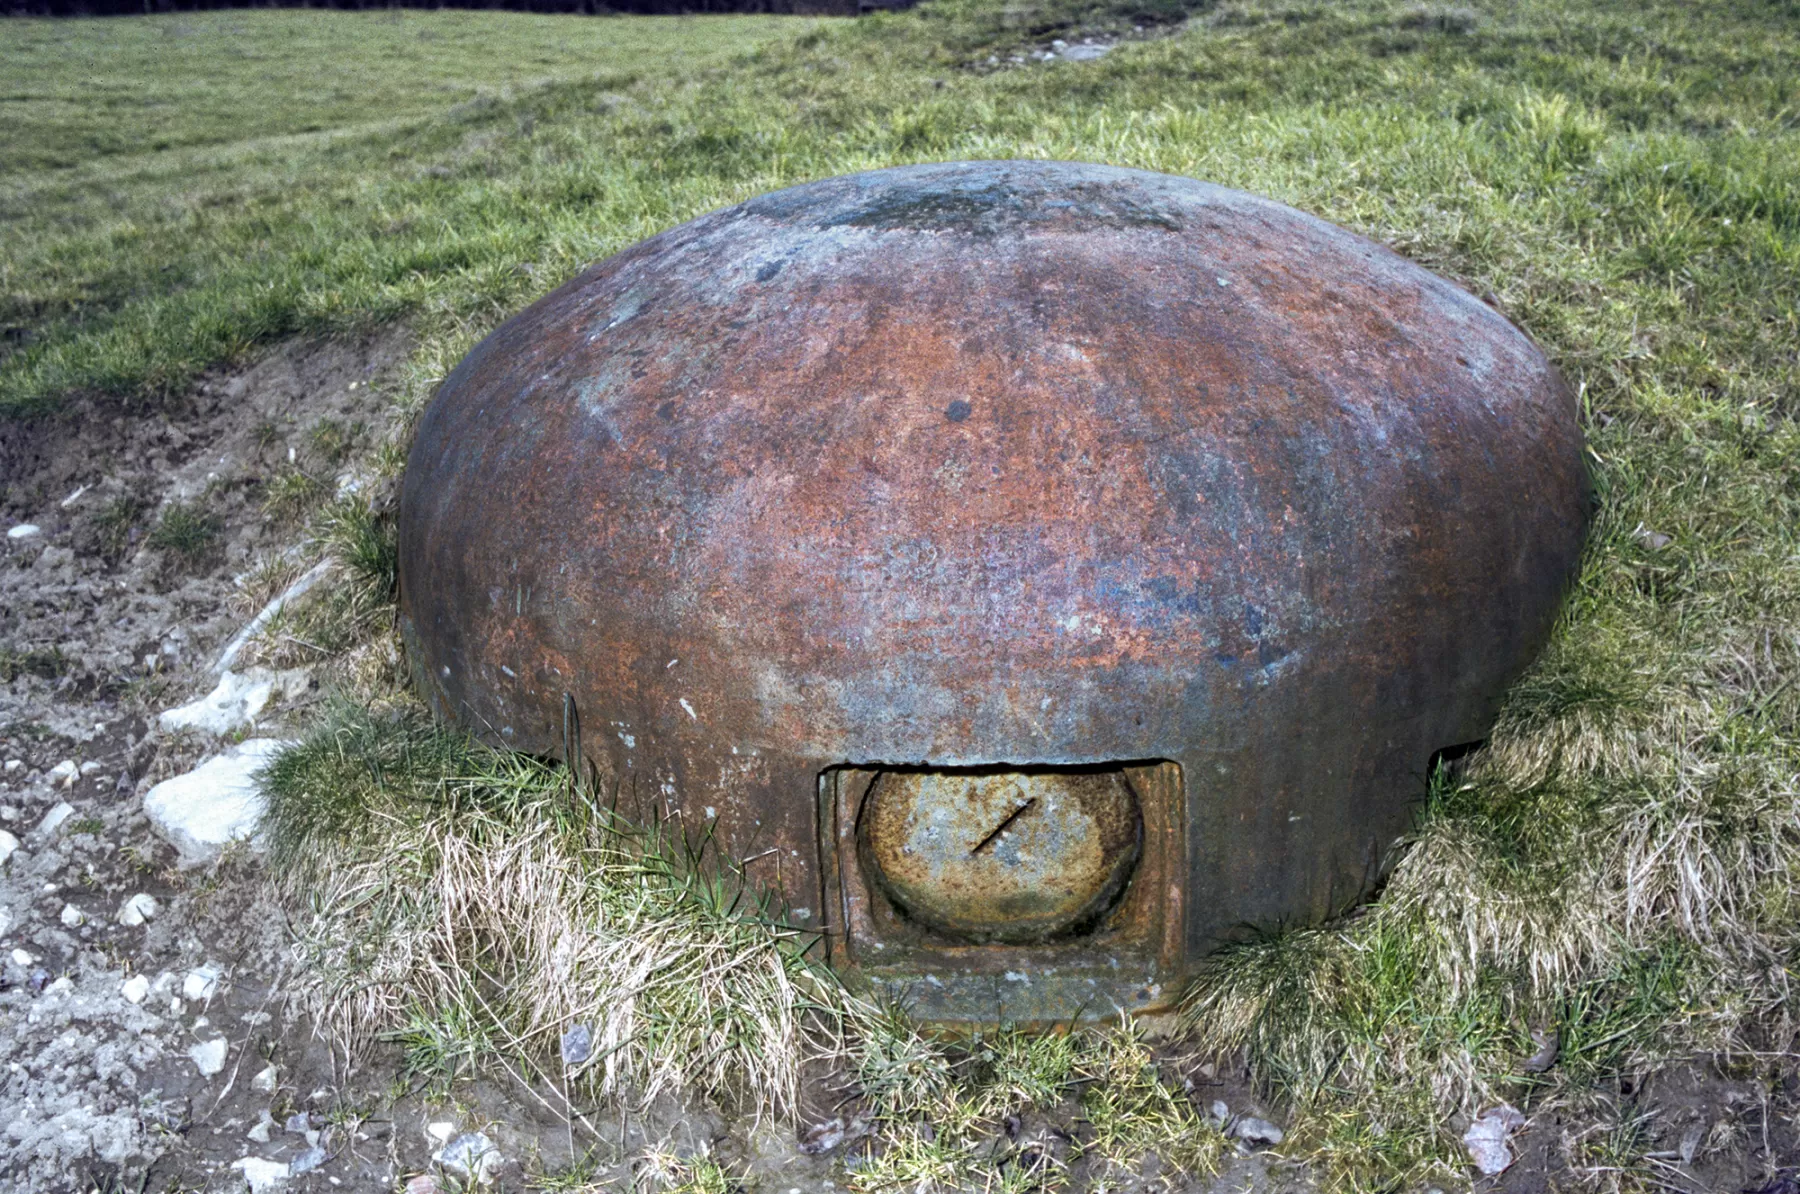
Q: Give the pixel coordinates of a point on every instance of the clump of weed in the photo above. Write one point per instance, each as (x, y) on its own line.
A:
(440, 875)
(333, 440)
(267, 578)
(186, 530)
(291, 494)
(364, 540)
(1136, 1112)
(944, 1111)
(266, 435)
(657, 1168)
(115, 527)
(46, 663)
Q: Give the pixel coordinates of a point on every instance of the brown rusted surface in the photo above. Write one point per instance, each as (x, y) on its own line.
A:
(1006, 856)
(1001, 464)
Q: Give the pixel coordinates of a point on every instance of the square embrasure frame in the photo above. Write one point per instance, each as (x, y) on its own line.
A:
(1130, 962)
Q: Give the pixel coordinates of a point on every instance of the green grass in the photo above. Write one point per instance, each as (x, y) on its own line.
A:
(186, 529)
(168, 183)
(1620, 867)
(81, 92)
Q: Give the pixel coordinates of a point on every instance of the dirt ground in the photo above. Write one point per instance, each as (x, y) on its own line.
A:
(101, 628)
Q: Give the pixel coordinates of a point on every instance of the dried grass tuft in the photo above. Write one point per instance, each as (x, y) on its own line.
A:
(439, 874)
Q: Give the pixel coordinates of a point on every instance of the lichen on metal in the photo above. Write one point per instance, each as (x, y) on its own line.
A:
(1045, 469)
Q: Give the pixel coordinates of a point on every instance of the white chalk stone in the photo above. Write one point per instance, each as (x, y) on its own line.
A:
(236, 701)
(13, 765)
(135, 989)
(215, 804)
(6, 921)
(73, 917)
(262, 1176)
(1487, 1138)
(21, 958)
(53, 820)
(64, 773)
(472, 1157)
(138, 909)
(25, 530)
(8, 843)
(264, 1082)
(209, 1058)
(202, 982)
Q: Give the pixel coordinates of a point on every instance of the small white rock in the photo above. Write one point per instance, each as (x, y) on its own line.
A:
(265, 1127)
(25, 530)
(263, 1176)
(264, 1083)
(1487, 1138)
(473, 1157)
(89, 768)
(202, 983)
(61, 986)
(1257, 1132)
(21, 958)
(54, 819)
(8, 843)
(63, 772)
(138, 909)
(13, 765)
(135, 989)
(73, 917)
(440, 1132)
(209, 1057)
(6, 921)
(216, 803)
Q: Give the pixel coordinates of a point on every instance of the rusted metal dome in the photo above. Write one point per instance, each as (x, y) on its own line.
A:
(910, 528)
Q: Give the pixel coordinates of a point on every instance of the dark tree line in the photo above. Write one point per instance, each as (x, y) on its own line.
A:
(595, 7)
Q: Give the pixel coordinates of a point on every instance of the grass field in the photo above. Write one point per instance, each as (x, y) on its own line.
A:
(83, 92)
(1620, 867)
